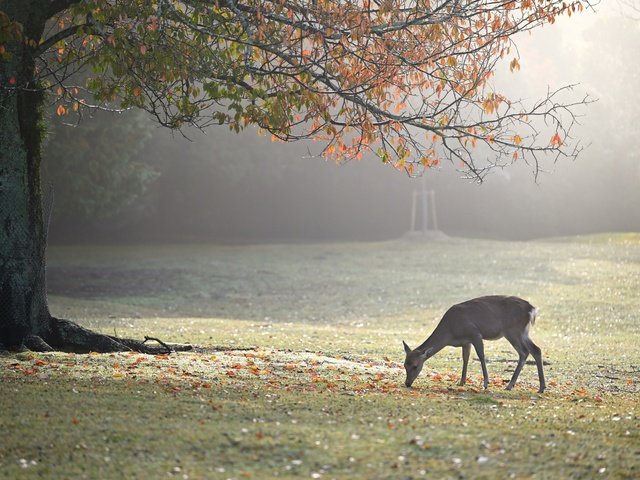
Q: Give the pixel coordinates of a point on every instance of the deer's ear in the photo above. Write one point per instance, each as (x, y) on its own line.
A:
(407, 349)
(425, 354)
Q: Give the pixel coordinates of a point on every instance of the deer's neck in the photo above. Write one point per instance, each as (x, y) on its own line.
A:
(436, 342)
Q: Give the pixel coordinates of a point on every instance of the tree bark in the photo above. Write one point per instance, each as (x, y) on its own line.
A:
(25, 321)
(23, 305)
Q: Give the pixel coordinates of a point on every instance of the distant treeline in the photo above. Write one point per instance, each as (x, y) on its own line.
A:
(230, 188)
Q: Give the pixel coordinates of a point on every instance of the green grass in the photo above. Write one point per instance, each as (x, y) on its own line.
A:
(298, 371)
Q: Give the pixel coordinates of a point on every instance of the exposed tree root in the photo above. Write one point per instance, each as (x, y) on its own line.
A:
(67, 336)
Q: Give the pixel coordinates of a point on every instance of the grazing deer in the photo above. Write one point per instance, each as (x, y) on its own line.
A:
(470, 323)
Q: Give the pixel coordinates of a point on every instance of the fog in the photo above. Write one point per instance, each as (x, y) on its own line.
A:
(227, 187)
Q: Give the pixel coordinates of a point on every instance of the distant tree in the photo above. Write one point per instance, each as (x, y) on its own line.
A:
(94, 166)
(630, 8)
(409, 80)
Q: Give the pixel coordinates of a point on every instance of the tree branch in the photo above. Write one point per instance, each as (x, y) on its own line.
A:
(57, 6)
(61, 35)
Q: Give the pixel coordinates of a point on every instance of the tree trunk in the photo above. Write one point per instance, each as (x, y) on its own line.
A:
(23, 305)
(25, 320)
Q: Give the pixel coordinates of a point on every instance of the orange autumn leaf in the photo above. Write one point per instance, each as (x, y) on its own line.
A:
(556, 141)
(581, 392)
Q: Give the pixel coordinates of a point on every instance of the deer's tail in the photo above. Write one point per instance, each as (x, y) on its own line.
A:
(532, 315)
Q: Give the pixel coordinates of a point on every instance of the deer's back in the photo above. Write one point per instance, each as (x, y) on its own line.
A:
(491, 316)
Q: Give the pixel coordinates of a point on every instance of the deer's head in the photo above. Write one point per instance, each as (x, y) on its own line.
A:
(413, 362)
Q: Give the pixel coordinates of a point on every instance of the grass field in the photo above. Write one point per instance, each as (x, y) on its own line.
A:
(297, 370)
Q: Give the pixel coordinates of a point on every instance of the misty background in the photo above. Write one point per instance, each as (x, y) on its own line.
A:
(121, 178)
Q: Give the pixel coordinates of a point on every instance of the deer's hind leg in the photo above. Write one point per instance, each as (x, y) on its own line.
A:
(536, 353)
(520, 346)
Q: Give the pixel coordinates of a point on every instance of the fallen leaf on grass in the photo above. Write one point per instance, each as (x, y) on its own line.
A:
(581, 392)
(498, 382)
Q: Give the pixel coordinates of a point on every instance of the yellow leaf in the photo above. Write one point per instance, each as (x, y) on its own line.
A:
(488, 106)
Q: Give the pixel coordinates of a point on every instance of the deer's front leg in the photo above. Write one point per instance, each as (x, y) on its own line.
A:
(479, 346)
(466, 350)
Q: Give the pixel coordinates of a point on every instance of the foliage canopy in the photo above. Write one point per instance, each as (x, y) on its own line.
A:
(409, 80)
